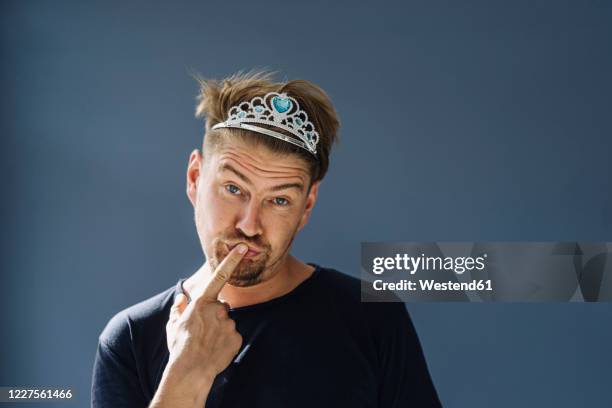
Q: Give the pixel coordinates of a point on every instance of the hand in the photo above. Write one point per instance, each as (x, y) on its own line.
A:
(202, 339)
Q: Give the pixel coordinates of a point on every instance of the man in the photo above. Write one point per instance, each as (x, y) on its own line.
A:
(254, 326)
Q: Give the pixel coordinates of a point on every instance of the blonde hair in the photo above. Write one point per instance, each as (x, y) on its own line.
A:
(216, 97)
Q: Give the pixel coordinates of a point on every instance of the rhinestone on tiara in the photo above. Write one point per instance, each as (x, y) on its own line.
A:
(278, 110)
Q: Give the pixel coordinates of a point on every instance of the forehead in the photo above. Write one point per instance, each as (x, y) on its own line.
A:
(258, 161)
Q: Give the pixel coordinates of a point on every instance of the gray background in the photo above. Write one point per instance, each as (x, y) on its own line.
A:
(461, 121)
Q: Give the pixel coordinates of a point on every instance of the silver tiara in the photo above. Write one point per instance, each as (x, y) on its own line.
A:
(278, 110)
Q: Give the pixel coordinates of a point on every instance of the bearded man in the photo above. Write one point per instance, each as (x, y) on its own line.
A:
(255, 326)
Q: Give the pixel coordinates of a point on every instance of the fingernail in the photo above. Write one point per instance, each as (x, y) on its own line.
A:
(242, 248)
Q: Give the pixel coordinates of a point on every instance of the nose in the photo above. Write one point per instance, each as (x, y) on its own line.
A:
(249, 221)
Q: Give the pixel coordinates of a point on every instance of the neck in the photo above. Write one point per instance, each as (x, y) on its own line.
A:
(285, 277)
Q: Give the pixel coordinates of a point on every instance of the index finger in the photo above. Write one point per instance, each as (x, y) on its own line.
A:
(223, 272)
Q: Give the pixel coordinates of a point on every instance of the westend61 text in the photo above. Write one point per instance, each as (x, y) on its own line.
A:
(432, 285)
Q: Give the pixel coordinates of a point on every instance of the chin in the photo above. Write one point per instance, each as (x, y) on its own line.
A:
(247, 273)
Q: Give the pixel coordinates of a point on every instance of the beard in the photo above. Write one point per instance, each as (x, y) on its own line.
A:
(249, 271)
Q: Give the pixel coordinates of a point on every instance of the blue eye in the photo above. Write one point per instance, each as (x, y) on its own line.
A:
(232, 189)
(281, 201)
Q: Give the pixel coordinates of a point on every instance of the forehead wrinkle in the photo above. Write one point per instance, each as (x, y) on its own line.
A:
(273, 174)
(245, 153)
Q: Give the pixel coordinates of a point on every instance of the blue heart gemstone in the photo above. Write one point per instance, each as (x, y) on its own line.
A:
(281, 104)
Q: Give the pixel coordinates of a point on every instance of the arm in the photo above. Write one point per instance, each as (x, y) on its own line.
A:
(404, 378)
(177, 391)
(115, 381)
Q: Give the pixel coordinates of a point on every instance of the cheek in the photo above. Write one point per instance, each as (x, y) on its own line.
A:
(212, 213)
(281, 229)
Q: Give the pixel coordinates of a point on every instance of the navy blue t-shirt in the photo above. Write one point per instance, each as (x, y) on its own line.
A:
(317, 346)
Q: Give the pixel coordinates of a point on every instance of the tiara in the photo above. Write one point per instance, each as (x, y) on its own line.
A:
(278, 110)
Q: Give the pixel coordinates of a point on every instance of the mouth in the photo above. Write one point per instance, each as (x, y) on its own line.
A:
(251, 253)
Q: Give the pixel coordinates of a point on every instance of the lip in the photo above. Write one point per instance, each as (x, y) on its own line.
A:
(252, 252)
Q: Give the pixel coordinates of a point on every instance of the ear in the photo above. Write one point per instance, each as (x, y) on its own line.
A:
(194, 169)
(310, 202)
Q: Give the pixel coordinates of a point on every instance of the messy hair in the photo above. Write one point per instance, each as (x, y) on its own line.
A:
(216, 97)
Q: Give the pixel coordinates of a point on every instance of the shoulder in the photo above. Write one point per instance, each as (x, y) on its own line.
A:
(338, 284)
(137, 320)
(355, 295)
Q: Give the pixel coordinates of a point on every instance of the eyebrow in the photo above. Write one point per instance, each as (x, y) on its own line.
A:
(229, 167)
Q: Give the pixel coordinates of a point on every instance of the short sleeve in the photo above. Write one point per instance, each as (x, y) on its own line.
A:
(115, 381)
(404, 376)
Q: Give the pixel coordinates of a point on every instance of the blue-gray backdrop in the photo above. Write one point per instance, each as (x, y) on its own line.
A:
(461, 121)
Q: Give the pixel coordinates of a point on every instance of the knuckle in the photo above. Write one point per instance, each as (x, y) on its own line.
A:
(217, 306)
(225, 307)
(221, 313)
(222, 274)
